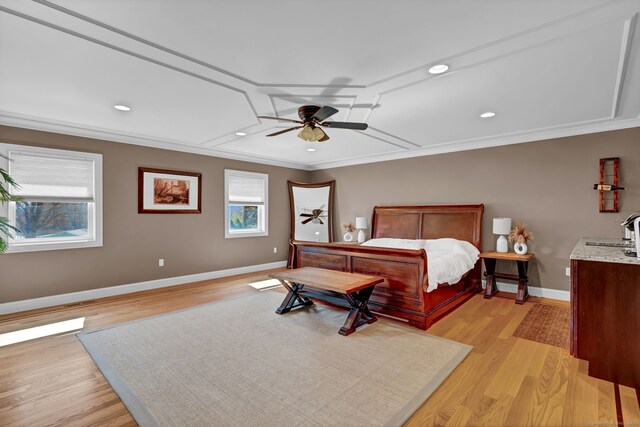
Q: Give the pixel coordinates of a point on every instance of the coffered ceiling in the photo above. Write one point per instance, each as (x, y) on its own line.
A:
(195, 72)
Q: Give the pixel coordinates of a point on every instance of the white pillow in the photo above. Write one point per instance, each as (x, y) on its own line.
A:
(396, 243)
(453, 246)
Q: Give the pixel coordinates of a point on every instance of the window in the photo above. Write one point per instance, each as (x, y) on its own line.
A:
(61, 198)
(246, 199)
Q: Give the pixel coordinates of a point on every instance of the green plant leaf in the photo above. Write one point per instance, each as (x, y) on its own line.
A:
(6, 178)
(5, 227)
(5, 195)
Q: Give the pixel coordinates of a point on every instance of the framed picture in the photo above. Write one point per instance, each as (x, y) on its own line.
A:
(168, 192)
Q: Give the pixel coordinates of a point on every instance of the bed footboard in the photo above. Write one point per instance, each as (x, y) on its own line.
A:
(402, 295)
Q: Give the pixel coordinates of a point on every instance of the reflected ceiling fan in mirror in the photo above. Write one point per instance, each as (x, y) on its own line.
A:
(312, 119)
(315, 216)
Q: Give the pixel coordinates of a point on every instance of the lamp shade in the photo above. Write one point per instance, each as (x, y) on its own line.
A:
(361, 222)
(501, 226)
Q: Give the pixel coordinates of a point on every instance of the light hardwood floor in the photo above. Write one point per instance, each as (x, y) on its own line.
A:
(504, 381)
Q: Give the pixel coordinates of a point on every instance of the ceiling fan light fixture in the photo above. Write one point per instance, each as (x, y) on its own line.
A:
(306, 134)
(319, 135)
(312, 118)
(438, 69)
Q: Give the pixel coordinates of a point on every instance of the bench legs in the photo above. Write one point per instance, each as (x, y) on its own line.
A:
(292, 296)
(359, 313)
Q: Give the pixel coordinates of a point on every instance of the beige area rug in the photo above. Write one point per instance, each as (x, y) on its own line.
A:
(546, 323)
(237, 363)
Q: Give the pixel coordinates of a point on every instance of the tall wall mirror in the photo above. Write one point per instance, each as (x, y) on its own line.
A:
(311, 211)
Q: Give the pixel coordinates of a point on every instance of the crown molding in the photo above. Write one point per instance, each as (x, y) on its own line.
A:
(27, 122)
(474, 144)
(35, 123)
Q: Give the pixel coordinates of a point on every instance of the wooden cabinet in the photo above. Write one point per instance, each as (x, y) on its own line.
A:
(605, 319)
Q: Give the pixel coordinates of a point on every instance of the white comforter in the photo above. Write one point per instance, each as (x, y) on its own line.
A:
(447, 259)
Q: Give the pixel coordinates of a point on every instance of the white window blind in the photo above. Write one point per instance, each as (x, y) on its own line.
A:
(45, 178)
(246, 209)
(244, 189)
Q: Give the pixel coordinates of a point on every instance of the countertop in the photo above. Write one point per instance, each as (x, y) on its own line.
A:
(586, 252)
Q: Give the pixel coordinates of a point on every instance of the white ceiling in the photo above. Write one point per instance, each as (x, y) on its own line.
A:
(195, 72)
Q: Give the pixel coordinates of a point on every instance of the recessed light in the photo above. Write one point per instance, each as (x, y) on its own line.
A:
(122, 108)
(311, 150)
(487, 114)
(241, 133)
(438, 69)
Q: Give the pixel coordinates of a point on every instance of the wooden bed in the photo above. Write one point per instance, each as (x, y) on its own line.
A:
(403, 294)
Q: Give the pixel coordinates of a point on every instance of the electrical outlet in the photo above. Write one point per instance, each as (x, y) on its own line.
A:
(567, 271)
(161, 262)
(275, 250)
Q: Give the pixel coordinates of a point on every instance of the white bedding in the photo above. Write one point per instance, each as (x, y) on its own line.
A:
(447, 259)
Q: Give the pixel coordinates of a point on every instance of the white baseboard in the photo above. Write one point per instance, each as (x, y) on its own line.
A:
(50, 301)
(533, 291)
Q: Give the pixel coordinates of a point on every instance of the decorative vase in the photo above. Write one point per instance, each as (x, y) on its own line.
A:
(348, 237)
(361, 236)
(520, 248)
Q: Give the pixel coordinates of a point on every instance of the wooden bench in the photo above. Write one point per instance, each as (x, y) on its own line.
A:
(355, 288)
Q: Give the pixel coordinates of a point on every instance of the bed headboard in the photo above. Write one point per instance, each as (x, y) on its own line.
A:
(462, 222)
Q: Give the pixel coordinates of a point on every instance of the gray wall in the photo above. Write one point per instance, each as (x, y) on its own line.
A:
(546, 184)
(133, 242)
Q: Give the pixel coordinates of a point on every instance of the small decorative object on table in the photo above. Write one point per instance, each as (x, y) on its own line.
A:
(502, 226)
(361, 224)
(348, 228)
(519, 236)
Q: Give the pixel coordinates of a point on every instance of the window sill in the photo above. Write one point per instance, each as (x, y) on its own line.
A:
(248, 234)
(53, 246)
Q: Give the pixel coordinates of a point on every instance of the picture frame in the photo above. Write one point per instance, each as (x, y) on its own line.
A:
(163, 191)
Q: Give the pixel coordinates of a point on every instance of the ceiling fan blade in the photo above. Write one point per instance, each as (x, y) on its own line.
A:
(285, 131)
(320, 221)
(307, 220)
(346, 125)
(306, 215)
(324, 113)
(280, 118)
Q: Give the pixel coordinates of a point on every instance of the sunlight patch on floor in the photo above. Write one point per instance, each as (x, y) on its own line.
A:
(264, 285)
(41, 331)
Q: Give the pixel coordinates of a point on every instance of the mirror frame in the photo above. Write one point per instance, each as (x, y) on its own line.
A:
(330, 184)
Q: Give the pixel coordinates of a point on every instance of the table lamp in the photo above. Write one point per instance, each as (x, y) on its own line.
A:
(502, 226)
(361, 224)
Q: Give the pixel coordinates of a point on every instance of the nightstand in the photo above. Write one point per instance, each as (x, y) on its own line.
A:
(490, 274)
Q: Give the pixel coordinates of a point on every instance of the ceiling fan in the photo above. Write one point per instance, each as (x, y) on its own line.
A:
(312, 118)
(315, 216)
